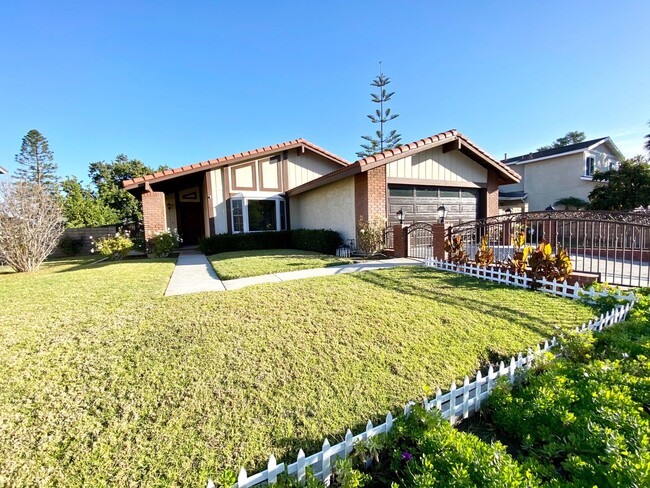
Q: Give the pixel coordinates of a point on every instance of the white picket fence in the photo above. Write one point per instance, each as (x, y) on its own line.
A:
(458, 403)
(562, 289)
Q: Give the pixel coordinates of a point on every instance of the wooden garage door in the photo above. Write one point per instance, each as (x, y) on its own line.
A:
(420, 203)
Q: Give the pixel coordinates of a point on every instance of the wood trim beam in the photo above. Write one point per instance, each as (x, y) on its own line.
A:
(451, 146)
(439, 183)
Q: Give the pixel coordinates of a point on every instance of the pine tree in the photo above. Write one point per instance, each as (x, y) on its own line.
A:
(37, 161)
(382, 141)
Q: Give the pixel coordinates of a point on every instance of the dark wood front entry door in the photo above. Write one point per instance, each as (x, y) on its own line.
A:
(191, 222)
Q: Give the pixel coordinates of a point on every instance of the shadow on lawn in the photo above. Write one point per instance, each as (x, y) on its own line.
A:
(105, 262)
(441, 288)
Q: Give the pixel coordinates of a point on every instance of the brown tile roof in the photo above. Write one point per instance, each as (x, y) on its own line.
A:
(391, 154)
(212, 163)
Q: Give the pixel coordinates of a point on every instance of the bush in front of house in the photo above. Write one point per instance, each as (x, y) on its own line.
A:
(320, 240)
(114, 247)
(164, 242)
(70, 246)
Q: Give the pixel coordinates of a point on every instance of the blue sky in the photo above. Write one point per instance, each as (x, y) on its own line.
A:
(180, 82)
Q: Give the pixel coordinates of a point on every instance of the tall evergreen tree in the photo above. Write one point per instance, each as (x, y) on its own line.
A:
(381, 141)
(37, 161)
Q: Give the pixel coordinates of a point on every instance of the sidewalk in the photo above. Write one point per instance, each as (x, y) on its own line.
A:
(194, 274)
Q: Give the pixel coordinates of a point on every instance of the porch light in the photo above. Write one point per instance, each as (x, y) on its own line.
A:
(442, 213)
(508, 211)
(549, 208)
(400, 216)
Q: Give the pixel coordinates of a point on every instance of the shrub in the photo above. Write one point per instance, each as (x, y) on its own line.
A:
(115, 247)
(31, 223)
(580, 423)
(455, 248)
(70, 246)
(323, 241)
(370, 236)
(164, 242)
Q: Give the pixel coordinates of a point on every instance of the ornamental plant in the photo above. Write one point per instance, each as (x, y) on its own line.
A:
(115, 247)
(455, 249)
(543, 264)
(370, 237)
(485, 254)
(164, 242)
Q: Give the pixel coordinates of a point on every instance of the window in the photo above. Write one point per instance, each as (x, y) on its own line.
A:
(261, 215)
(589, 165)
(238, 215)
(426, 192)
(257, 214)
(400, 191)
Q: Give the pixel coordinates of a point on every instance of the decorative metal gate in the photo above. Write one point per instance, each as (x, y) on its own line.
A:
(420, 240)
(614, 246)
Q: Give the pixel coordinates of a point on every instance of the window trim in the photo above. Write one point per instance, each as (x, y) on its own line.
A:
(279, 219)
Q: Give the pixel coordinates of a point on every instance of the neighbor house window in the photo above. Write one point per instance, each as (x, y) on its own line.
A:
(257, 214)
(589, 165)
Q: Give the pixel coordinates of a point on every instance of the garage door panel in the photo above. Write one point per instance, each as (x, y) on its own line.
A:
(420, 203)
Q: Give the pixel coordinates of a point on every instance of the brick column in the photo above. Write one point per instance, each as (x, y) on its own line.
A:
(439, 235)
(153, 211)
(492, 193)
(400, 241)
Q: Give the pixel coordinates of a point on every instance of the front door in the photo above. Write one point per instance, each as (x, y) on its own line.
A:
(191, 222)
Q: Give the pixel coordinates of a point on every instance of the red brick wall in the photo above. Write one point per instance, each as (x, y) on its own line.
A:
(370, 194)
(153, 210)
(492, 204)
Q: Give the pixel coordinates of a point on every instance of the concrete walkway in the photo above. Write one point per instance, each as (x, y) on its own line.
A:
(194, 274)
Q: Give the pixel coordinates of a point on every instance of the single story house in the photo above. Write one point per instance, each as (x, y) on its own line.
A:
(299, 185)
(548, 176)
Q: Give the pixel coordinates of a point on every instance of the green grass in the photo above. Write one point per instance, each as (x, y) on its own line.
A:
(105, 381)
(242, 264)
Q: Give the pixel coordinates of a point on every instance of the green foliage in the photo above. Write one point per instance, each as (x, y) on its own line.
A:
(424, 450)
(164, 242)
(82, 208)
(115, 247)
(370, 235)
(518, 262)
(485, 254)
(381, 141)
(574, 203)
(455, 249)
(70, 246)
(36, 161)
(577, 346)
(321, 240)
(108, 177)
(572, 137)
(580, 422)
(346, 476)
(624, 188)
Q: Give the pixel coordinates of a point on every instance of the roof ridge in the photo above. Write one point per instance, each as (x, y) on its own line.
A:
(234, 156)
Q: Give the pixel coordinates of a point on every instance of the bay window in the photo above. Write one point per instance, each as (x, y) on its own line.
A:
(251, 214)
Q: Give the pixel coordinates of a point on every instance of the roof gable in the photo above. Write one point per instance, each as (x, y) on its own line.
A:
(563, 151)
(452, 138)
(232, 159)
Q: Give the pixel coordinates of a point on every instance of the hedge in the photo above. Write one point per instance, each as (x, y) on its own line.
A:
(320, 240)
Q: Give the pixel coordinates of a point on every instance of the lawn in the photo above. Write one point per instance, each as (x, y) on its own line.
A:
(105, 381)
(242, 264)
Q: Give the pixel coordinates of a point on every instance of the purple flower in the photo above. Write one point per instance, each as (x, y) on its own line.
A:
(407, 456)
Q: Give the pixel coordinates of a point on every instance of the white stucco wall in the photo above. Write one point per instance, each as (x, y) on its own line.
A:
(328, 207)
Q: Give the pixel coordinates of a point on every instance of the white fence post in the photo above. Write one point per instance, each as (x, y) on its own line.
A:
(466, 398)
(348, 443)
(242, 478)
(271, 467)
(300, 467)
(452, 404)
(326, 471)
(477, 391)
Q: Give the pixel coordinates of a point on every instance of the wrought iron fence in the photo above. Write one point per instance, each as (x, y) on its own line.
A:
(420, 239)
(615, 246)
(388, 238)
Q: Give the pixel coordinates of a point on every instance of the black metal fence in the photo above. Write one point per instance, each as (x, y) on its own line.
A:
(615, 246)
(420, 240)
(388, 238)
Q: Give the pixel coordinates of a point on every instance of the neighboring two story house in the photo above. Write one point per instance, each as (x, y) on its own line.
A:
(547, 176)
